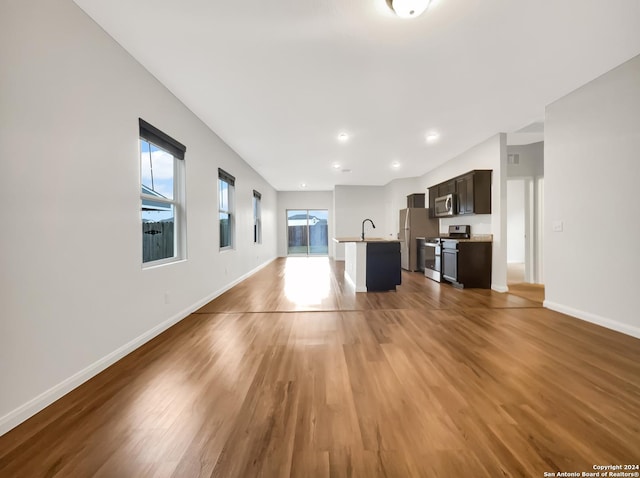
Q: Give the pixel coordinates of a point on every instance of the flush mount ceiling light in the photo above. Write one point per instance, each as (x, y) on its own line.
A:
(343, 136)
(408, 8)
(432, 137)
(395, 165)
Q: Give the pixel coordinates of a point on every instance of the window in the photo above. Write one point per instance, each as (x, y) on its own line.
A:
(307, 231)
(226, 185)
(162, 196)
(257, 217)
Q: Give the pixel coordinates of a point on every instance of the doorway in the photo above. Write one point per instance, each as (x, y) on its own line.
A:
(524, 237)
(517, 270)
(307, 232)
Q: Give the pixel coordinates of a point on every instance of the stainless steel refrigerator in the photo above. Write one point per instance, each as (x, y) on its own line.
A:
(414, 222)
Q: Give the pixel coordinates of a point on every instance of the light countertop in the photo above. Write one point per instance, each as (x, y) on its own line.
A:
(473, 238)
(366, 239)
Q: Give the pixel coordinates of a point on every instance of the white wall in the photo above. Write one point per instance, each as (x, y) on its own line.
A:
(592, 172)
(302, 200)
(396, 193)
(490, 154)
(352, 205)
(531, 157)
(74, 297)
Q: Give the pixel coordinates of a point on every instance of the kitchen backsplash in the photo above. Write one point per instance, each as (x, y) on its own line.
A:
(480, 223)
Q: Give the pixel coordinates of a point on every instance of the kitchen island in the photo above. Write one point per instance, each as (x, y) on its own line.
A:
(371, 264)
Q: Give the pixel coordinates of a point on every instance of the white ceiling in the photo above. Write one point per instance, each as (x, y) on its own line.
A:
(532, 133)
(278, 80)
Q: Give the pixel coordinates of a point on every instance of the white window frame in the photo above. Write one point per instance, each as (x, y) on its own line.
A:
(178, 201)
(257, 217)
(223, 176)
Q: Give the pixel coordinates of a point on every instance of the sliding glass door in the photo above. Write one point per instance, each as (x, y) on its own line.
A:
(307, 231)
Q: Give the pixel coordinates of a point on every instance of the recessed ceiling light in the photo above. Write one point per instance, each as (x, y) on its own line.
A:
(395, 165)
(336, 166)
(432, 137)
(343, 136)
(303, 185)
(408, 8)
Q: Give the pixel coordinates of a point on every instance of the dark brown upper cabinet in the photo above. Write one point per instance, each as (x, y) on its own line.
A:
(473, 191)
(433, 194)
(415, 200)
(446, 188)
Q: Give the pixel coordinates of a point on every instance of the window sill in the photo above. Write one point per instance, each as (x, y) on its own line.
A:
(162, 263)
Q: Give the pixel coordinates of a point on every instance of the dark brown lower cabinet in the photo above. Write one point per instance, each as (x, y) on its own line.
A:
(467, 264)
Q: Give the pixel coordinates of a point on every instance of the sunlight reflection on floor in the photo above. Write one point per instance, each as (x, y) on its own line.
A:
(307, 280)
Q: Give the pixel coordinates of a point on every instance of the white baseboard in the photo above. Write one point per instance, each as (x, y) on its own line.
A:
(499, 288)
(594, 319)
(46, 398)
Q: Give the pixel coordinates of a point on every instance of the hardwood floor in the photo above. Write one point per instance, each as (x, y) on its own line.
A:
(291, 373)
(533, 292)
(517, 285)
(515, 273)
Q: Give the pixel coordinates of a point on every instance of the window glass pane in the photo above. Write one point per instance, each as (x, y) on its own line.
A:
(257, 227)
(156, 167)
(307, 231)
(225, 229)
(223, 187)
(158, 231)
(225, 211)
(297, 232)
(318, 232)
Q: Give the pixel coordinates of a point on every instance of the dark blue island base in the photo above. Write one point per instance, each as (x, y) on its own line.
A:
(383, 266)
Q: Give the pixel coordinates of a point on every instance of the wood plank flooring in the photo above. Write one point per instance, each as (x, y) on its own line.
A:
(291, 373)
(533, 292)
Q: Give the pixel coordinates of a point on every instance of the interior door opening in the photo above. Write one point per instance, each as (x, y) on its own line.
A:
(524, 238)
(307, 232)
(517, 216)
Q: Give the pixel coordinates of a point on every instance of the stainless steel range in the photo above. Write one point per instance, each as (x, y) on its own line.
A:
(449, 253)
(433, 254)
(458, 232)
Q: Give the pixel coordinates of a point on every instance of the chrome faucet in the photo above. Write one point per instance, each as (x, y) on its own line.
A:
(374, 226)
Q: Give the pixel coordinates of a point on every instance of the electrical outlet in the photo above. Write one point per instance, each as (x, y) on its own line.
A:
(557, 226)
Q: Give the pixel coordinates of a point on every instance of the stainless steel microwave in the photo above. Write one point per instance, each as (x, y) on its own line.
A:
(446, 205)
